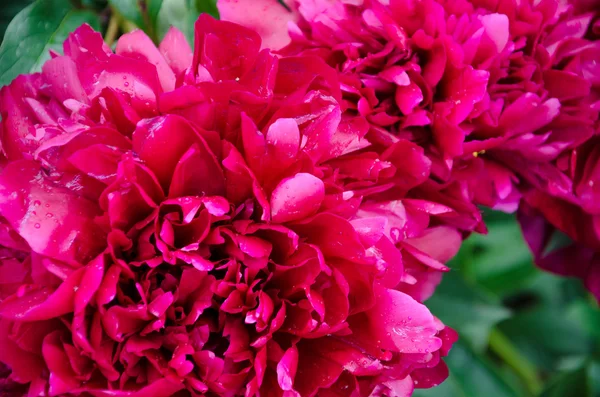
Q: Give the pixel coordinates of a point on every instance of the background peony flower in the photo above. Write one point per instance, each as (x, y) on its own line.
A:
(502, 96)
(183, 224)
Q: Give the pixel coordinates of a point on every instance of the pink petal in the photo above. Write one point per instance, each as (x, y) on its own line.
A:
(538, 114)
(228, 51)
(138, 45)
(55, 222)
(296, 197)
(286, 368)
(61, 74)
(42, 303)
(155, 143)
(176, 51)
(197, 174)
(267, 17)
(399, 323)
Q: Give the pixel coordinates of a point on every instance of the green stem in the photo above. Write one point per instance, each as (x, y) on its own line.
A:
(526, 371)
(128, 26)
(112, 30)
(125, 25)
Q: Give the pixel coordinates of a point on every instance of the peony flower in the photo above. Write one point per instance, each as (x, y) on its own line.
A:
(178, 223)
(502, 95)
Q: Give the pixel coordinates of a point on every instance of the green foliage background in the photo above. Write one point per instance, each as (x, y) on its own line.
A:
(523, 332)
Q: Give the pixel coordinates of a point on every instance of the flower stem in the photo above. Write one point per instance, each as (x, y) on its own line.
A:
(526, 371)
(112, 30)
(128, 26)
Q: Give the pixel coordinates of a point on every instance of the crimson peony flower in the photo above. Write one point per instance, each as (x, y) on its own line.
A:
(214, 223)
(503, 96)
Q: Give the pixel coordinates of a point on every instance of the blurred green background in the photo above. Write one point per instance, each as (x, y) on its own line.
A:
(523, 332)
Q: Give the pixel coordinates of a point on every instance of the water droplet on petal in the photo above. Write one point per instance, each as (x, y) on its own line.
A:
(37, 225)
(37, 202)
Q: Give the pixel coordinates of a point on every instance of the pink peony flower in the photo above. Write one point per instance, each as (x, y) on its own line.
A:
(503, 96)
(183, 224)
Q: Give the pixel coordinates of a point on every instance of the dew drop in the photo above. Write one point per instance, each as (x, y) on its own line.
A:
(49, 215)
(37, 225)
(37, 202)
(126, 84)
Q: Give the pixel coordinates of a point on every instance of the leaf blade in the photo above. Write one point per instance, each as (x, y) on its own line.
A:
(38, 28)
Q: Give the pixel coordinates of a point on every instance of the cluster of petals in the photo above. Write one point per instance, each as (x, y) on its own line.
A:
(215, 222)
(502, 95)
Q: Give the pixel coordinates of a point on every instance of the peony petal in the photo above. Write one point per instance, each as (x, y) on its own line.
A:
(268, 18)
(399, 323)
(226, 50)
(296, 197)
(176, 51)
(61, 74)
(138, 45)
(55, 222)
(43, 303)
(25, 366)
(538, 113)
(197, 174)
(286, 368)
(333, 235)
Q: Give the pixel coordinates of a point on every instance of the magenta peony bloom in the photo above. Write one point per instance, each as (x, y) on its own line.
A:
(503, 96)
(214, 223)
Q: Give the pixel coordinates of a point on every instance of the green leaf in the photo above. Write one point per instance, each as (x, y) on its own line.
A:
(570, 384)
(207, 6)
(594, 378)
(466, 309)
(9, 9)
(180, 13)
(499, 261)
(471, 375)
(587, 315)
(548, 336)
(40, 27)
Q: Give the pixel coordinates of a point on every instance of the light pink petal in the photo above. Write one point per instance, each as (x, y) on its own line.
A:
(283, 141)
(286, 368)
(440, 243)
(61, 74)
(267, 17)
(139, 46)
(399, 323)
(176, 51)
(296, 197)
